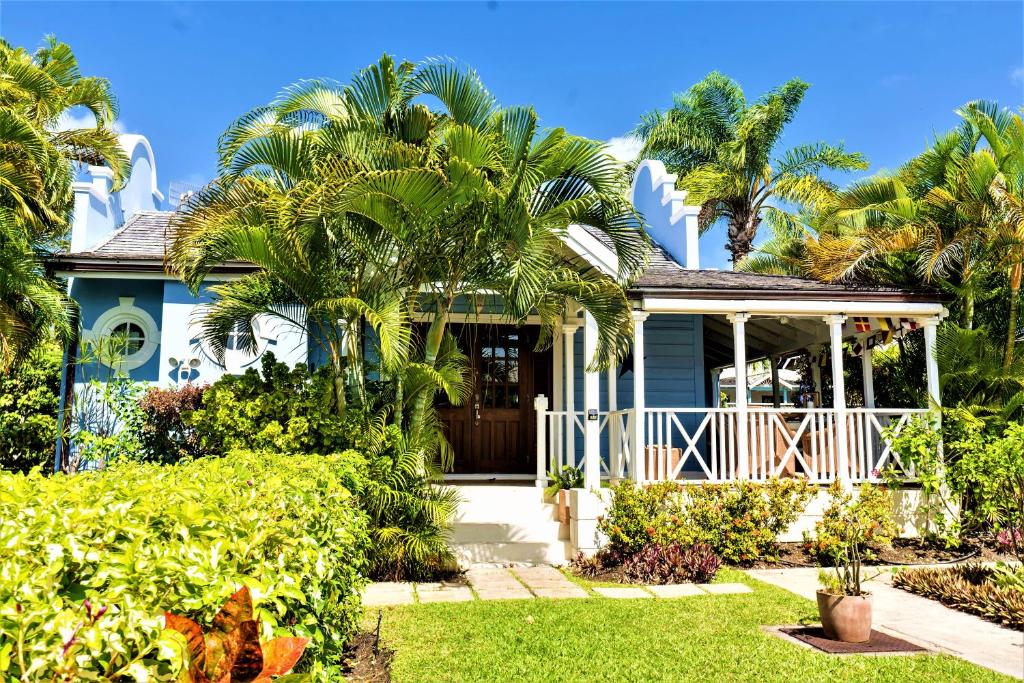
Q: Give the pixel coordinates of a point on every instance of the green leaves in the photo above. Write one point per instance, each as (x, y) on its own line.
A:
(89, 564)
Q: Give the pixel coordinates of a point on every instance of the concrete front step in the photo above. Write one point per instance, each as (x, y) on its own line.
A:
(502, 524)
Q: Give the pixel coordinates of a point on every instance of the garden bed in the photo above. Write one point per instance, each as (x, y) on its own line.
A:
(971, 588)
(901, 551)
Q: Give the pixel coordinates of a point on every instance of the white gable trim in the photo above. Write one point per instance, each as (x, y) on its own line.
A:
(591, 250)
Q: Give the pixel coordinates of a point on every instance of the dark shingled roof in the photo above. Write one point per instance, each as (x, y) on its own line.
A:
(667, 277)
(143, 236)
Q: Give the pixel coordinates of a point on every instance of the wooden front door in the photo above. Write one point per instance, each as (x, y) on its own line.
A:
(495, 431)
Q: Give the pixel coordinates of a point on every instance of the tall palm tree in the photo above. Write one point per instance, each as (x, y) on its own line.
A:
(414, 207)
(37, 162)
(723, 149)
(934, 216)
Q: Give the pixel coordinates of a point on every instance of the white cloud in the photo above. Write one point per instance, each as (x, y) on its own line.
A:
(1017, 75)
(83, 118)
(625, 147)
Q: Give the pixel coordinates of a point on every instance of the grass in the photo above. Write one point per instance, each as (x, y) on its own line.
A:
(711, 637)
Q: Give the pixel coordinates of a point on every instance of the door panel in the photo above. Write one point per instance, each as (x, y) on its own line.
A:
(494, 432)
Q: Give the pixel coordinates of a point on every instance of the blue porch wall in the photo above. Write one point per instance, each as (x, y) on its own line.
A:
(673, 364)
(95, 297)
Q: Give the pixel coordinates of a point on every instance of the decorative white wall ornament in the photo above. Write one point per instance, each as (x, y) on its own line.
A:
(125, 315)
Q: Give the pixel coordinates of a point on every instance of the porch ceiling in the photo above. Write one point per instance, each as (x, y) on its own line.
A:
(766, 336)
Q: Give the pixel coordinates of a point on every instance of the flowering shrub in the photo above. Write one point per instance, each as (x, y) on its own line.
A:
(89, 563)
(872, 513)
(740, 521)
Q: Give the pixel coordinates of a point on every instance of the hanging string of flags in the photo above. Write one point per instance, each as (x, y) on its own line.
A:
(887, 330)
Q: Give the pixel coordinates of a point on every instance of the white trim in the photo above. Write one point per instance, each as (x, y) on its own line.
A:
(128, 142)
(116, 275)
(592, 250)
(794, 307)
(490, 477)
(127, 312)
(482, 318)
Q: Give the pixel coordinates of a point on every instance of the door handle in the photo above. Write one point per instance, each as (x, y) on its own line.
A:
(476, 411)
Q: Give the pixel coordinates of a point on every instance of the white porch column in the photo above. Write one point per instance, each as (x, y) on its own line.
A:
(591, 407)
(835, 328)
(931, 328)
(776, 391)
(739, 343)
(639, 441)
(540, 405)
(868, 375)
(569, 399)
(614, 465)
(716, 388)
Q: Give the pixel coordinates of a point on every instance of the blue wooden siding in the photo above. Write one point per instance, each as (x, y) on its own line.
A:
(674, 365)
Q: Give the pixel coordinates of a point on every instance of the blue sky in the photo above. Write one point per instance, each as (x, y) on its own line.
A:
(884, 76)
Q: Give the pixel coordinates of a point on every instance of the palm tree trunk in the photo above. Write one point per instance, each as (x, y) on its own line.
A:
(338, 364)
(1011, 330)
(742, 230)
(969, 309)
(432, 346)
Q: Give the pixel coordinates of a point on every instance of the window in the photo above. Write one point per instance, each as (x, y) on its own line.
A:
(129, 337)
(125, 336)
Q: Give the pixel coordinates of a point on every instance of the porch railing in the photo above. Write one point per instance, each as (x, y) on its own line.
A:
(705, 444)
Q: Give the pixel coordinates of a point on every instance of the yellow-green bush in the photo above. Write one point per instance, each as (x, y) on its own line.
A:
(90, 562)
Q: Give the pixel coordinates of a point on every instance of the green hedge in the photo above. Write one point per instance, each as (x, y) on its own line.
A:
(89, 562)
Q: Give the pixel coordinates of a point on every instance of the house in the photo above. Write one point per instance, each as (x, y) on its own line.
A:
(655, 416)
(762, 386)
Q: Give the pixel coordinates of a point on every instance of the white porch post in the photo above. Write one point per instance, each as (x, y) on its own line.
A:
(776, 391)
(931, 327)
(835, 326)
(739, 343)
(591, 407)
(639, 450)
(569, 363)
(540, 405)
(868, 375)
(716, 388)
(614, 461)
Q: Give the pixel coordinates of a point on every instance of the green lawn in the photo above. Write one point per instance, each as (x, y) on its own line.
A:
(714, 638)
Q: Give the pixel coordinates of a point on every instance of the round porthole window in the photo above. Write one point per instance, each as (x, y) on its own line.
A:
(126, 336)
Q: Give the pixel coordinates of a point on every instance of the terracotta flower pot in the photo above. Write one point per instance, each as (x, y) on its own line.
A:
(845, 617)
(563, 506)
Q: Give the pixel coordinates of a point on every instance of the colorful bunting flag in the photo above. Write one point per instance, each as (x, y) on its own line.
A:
(862, 324)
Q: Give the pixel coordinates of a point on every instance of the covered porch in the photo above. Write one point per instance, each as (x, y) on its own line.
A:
(648, 423)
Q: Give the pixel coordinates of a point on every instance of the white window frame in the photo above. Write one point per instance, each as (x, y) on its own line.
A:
(127, 312)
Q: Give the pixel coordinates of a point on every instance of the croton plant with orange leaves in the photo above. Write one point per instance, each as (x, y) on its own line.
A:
(230, 651)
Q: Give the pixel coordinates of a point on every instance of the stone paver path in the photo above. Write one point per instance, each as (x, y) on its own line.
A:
(525, 583)
(922, 620)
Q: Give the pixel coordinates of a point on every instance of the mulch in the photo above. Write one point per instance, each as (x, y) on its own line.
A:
(366, 660)
(903, 551)
(880, 643)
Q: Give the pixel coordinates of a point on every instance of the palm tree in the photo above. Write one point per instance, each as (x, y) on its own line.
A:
(357, 200)
(36, 172)
(722, 149)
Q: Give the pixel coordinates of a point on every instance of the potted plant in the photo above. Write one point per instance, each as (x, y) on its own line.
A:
(843, 605)
(568, 477)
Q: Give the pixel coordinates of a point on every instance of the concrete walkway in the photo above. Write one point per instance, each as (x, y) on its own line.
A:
(925, 621)
(525, 583)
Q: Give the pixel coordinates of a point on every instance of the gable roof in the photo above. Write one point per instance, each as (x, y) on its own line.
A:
(140, 246)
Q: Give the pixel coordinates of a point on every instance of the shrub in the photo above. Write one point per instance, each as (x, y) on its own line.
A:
(101, 555)
(671, 563)
(165, 435)
(636, 513)
(277, 409)
(970, 588)
(740, 521)
(568, 477)
(872, 514)
(28, 411)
